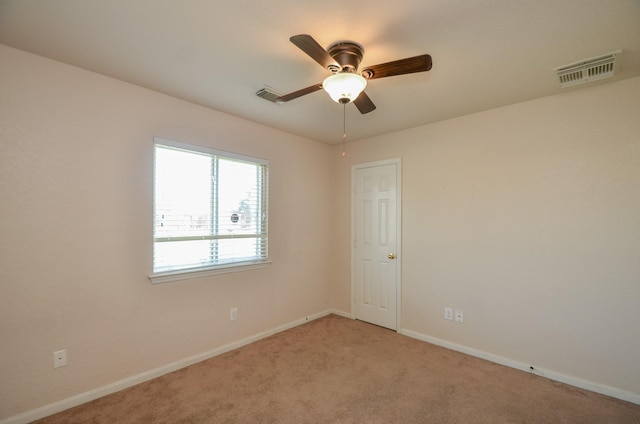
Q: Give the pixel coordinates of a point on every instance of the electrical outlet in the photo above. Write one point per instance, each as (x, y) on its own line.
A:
(233, 314)
(60, 358)
(459, 315)
(448, 314)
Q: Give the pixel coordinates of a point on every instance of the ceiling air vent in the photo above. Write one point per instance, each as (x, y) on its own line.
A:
(588, 70)
(268, 93)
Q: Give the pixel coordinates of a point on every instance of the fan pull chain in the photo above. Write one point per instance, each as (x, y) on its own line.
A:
(344, 129)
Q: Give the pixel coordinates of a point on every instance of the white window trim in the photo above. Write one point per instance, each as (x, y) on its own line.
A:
(189, 273)
(185, 274)
(208, 150)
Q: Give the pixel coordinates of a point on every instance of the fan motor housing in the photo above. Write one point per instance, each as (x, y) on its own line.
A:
(348, 54)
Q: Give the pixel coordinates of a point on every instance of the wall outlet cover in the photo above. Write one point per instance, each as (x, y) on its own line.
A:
(60, 358)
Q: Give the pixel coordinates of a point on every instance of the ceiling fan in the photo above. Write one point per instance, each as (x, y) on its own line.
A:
(347, 84)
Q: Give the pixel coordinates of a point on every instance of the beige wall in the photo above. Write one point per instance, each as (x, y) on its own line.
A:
(75, 233)
(528, 219)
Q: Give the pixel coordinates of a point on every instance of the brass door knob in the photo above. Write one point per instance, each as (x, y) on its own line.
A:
(391, 256)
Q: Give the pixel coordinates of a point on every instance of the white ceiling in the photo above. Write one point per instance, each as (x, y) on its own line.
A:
(218, 53)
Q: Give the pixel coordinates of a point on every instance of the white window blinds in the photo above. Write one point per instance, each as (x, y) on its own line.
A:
(210, 208)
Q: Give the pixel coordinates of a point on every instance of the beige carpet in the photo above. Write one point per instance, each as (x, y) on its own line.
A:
(336, 370)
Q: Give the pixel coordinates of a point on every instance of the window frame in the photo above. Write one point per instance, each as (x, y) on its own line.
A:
(215, 269)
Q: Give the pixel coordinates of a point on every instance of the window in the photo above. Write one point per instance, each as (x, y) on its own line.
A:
(210, 211)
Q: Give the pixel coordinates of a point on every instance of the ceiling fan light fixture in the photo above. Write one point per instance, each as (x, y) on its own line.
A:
(344, 87)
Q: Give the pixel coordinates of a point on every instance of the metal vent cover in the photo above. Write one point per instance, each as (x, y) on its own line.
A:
(268, 93)
(588, 70)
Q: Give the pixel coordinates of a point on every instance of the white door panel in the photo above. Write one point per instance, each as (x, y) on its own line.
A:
(376, 267)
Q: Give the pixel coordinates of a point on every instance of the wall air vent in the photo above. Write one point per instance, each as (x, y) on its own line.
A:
(588, 70)
(268, 93)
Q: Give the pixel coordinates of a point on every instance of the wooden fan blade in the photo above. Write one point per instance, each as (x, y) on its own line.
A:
(307, 44)
(364, 103)
(409, 65)
(299, 93)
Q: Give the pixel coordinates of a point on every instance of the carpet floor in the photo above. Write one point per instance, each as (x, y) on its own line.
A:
(337, 370)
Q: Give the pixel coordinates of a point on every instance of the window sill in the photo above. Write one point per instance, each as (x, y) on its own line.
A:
(184, 274)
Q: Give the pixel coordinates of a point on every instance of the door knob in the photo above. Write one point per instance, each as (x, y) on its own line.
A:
(391, 256)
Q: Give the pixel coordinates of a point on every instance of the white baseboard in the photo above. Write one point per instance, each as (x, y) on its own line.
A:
(341, 313)
(552, 375)
(99, 392)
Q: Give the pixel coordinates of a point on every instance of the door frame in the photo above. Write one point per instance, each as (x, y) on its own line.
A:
(354, 168)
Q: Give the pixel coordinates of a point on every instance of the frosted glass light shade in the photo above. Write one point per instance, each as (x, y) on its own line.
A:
(344, 87)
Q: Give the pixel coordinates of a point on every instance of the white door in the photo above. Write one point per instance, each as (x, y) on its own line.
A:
(376, 233)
